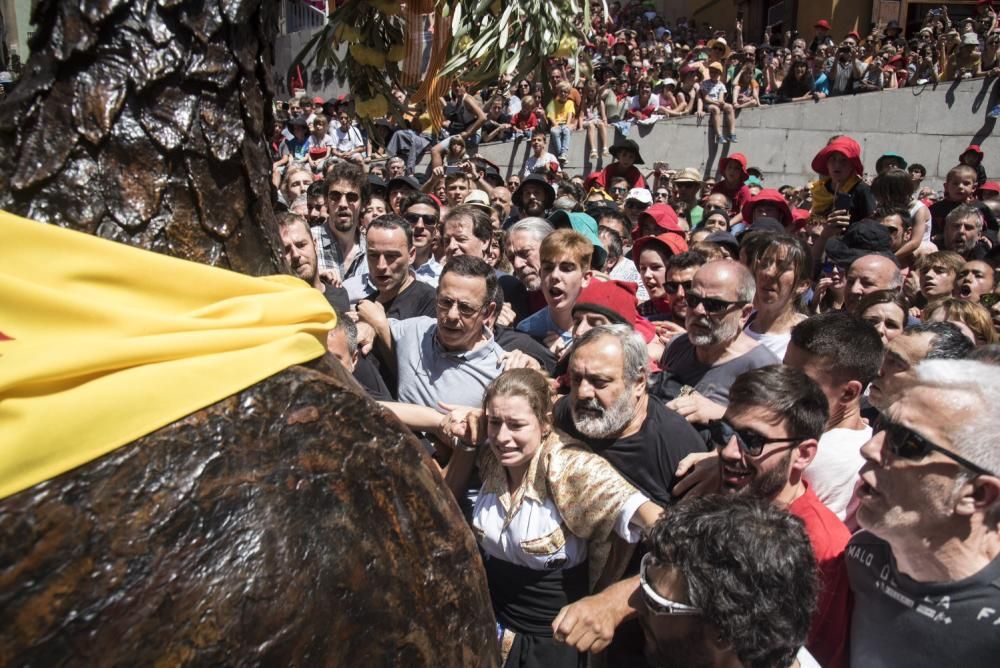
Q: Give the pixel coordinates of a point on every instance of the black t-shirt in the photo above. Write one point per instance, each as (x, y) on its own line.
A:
(648, 458)
(368, 377)
(862, 201)
(511, 339)
(898, 621)
(418, 299)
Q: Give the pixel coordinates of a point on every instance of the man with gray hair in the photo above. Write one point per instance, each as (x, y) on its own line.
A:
(703, 362)
(524, 243)
(610, 410)
(963, 233)
(926, 568)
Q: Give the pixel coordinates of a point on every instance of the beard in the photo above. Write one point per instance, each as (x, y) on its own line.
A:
(767, 485)
(726, 330)
(603, 422)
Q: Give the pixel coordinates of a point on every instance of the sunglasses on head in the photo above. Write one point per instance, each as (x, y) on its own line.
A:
(710, 304)
(721, 432)
(672, 287)
(656, 604)
(333, 196)
(905, 443)
(428, 219)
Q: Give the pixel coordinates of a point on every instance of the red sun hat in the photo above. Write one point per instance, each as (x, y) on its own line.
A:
(822, 23)
(847, 147)
(740, 159)
(768, 195)
(671, 242)
(613, 299)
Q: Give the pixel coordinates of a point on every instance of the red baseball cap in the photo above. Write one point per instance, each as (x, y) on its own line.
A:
(822, 23)
(974, 148)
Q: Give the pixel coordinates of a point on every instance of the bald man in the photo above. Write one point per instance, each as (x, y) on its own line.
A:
(715, 349)
(870, 273)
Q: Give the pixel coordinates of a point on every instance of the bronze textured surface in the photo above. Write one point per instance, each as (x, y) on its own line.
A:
(144, 121)
(284, 525)
(292, 523)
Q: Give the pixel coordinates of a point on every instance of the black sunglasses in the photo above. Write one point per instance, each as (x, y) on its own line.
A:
(908, 444)
(333, 197)
(711, 304)
(673, 286)
(721, 432)
(429, 220)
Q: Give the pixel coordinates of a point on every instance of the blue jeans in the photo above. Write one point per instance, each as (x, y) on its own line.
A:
(560, 139)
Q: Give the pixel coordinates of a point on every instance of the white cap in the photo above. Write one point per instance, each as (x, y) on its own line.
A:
(639, 195)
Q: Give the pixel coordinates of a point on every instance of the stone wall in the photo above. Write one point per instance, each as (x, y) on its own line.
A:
(930, 125)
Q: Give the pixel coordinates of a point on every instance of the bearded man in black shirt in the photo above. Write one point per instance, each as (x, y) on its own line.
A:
(610, 410)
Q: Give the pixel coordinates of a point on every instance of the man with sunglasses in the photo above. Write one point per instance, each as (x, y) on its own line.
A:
(925, 571)
(728, 581)
(706, 360)
(766, 440)
(450, 358)
(423, 214)
(340, 250)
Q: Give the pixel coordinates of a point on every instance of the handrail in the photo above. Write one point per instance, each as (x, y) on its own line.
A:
(301, 15)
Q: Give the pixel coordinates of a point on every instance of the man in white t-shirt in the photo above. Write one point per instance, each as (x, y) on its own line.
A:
(842, 353)
(540, 159)
(348, 142)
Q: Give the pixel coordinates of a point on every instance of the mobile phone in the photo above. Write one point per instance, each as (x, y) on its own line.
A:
(828, 268)
(843, 202)
(452, 169)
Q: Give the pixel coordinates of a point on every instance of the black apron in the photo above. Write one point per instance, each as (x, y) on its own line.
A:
(526, 601)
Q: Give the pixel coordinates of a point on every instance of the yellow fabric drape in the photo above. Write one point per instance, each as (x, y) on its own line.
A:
(103, 343)
(823, 199)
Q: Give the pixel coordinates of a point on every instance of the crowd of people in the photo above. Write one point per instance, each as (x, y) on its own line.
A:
(691, 420)
(637, 67)
(583, 360)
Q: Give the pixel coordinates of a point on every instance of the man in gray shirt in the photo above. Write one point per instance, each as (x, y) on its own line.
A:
(449, 359)
(702, 363)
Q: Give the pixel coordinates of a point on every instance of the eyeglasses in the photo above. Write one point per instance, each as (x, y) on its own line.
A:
(632, 204)
(333, 196)
(619, 190)
(429, 220)
(662, 193)
(444, 305)
(686, 184)
(655, 603)
(673, 286)
(711, 304)
(721, 432)
(908, 444)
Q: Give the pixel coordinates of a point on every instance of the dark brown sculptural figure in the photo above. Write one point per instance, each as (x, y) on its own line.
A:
(289, 524)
